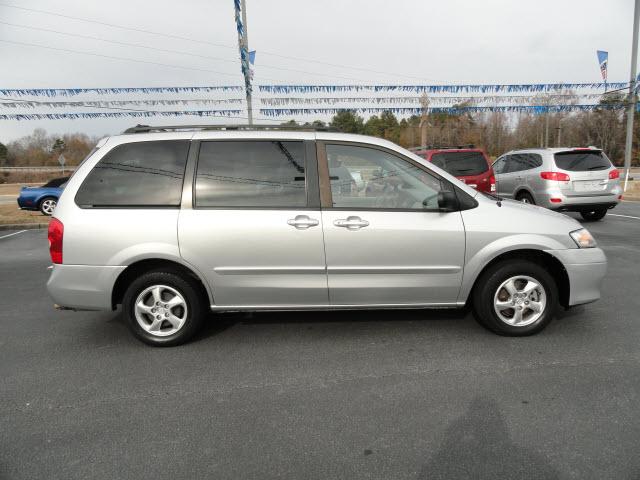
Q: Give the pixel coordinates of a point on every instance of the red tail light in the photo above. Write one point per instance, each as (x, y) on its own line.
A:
(56, 232)
(613, 174)
(555, 176)
(492, 182)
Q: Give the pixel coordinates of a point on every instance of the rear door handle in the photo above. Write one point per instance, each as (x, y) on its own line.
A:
(351, 223)
(302, 222)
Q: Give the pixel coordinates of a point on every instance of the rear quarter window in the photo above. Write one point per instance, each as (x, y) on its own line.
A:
(137, 174)
(461, 164)
(582, 161)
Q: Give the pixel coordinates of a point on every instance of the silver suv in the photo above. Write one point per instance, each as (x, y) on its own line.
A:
(564, 179)
(173, 223)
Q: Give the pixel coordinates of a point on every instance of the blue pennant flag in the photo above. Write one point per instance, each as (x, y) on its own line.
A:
(603, 60)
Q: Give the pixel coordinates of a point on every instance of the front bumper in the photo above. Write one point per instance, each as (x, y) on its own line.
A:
(586, 268)
(83, 287)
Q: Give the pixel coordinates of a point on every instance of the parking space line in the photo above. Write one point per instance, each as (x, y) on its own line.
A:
(12, 234)
(625, 216)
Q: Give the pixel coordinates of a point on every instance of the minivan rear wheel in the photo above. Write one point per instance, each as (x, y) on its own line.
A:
(594, 215)
(163, 308)
(515, 298)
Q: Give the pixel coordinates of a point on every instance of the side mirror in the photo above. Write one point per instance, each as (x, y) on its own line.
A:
(448, 201)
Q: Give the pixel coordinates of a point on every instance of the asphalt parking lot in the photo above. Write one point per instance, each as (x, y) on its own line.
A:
(407, 394)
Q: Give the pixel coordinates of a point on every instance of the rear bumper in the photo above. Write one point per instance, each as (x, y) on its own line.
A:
(586, 268)
(572, 203)
(83, 287)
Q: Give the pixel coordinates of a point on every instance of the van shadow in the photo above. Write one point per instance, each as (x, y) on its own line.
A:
(219, 322)
(477, 445)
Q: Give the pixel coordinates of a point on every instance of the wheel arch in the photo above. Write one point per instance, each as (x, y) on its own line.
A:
(523, 189)
(553, 265)
(143, 266)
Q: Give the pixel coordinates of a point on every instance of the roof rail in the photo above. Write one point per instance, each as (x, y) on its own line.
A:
(442, 147)
(167, 128)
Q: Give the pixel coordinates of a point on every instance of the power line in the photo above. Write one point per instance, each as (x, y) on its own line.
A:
(179, 52)
(204, 42)
(113, 57)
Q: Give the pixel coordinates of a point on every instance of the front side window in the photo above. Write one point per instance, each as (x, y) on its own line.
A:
(367, 178)
(137, 174)
(251, 174)
(498, 166)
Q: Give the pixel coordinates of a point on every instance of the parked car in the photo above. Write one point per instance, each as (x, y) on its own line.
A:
(42, 198)
(471, 165)
(172, 224)
(566, 179)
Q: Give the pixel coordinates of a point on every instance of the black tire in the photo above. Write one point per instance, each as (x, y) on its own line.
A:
(593, 215)
(185, 286)
(45, 205)
(486, 289)
(525, 197)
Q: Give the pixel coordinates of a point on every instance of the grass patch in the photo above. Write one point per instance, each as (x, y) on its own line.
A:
(11, 214)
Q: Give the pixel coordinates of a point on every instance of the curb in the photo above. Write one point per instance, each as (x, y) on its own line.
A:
(23, 226)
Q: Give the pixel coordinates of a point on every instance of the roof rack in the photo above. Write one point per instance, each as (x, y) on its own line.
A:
(167, 128)
(442, 147)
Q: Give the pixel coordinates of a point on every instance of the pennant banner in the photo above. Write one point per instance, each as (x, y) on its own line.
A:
(74, 116)
(279, 112)
(471, 88)
(119, 103)
(70, 92)
(520, 99)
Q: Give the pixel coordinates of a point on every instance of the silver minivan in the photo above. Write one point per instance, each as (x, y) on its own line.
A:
(564, 179)
(175, 222)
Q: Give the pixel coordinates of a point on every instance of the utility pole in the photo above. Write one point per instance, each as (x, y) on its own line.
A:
(246, 49)
(424, 120)
(631, 102)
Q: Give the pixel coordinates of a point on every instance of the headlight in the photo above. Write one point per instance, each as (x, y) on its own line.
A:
(583, 238)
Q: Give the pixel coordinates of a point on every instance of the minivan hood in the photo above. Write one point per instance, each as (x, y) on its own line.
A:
(517, 218)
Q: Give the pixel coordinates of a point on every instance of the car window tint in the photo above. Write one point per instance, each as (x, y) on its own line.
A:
(56, 182)
(461, 163)
(362, 177)
(137, 174)
(251, 174)
(576, 161)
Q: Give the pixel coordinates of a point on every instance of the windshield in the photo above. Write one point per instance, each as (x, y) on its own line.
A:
(582, 161)
(461, 163)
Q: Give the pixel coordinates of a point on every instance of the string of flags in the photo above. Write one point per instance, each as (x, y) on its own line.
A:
(151, 113)
(121, 103)
(445, 100)
(556, 97)
(279, 112)
(469, 88)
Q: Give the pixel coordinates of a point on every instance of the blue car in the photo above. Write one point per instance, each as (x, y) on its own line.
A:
(44, 198)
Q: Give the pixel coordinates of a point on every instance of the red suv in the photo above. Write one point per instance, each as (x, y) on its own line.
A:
(470, 165)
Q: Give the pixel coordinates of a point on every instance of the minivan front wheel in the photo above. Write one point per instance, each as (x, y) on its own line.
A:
(515, 298)
(163, 308)
(594, 215)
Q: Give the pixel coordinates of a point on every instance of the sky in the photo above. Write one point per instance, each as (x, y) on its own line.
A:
(298, 42)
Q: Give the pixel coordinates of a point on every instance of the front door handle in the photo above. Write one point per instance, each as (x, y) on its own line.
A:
(302, 222)
(351, 223)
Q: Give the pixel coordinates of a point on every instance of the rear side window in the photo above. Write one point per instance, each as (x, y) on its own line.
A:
(137, 174)
(582, 161)
(251, 174)
(461, 163)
